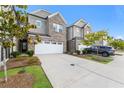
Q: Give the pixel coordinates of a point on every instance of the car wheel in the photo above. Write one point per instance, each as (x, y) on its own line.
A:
(105, 54)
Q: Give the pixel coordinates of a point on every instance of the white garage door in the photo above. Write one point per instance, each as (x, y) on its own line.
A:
(47, 47)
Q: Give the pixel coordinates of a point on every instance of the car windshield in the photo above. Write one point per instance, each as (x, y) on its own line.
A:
(104, 47)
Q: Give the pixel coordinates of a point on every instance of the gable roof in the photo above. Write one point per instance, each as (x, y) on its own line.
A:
(41, 13)
(47, 16)
(88, 25)
(36, 16)
(58, 13)
(78, 21)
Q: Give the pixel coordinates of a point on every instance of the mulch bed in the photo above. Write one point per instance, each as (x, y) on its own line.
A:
(24, 80)
(21, 62)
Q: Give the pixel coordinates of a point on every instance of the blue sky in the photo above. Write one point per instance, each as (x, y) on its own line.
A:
(99, 17)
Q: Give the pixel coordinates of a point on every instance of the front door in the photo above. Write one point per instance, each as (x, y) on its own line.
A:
(23, 47)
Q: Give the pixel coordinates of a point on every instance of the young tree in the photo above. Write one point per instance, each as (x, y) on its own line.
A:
(13, 23)
(92, 38)
(117, 44)
(109, 39)
(89, 39)
(101, 36)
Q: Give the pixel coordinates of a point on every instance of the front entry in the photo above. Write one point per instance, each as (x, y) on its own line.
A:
(23, 46)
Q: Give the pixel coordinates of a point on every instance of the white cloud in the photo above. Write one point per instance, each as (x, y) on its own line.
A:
(119, 37)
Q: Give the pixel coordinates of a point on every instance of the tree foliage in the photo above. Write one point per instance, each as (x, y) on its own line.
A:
(117, 44)
(102, 35)
(92, 38)
(13, 23)
(89, 39)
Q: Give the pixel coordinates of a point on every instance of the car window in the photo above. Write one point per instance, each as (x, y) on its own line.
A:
(109, 47)
(94, 47)
(102, 47)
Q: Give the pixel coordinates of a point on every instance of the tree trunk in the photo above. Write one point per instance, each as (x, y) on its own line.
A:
(12, 46)
(97, 51)
(5, 68)
(102, 41)
(5, 72)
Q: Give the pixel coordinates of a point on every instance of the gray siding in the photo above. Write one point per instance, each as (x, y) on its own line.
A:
(75, 34)
(87, 30)
(43, 29)
(74, 31)
(69, 33)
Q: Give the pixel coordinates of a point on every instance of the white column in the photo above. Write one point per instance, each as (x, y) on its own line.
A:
(14, 41)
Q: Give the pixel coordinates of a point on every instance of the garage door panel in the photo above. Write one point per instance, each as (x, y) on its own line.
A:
(48, 48)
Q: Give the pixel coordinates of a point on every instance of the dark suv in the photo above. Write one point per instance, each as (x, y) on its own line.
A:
(104, 50)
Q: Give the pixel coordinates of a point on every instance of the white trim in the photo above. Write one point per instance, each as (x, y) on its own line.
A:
(60, 16)
(76, 22)
(79, 21)
(33, 35)
(38, 23)
(88, 25)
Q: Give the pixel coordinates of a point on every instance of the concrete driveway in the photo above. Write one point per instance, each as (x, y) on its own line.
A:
(84, 73)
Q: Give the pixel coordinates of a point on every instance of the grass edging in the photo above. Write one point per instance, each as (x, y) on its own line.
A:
(100, 59)
(41, 80)
(47, 77)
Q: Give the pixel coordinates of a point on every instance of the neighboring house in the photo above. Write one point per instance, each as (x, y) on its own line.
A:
(76, 33)
(52, 29)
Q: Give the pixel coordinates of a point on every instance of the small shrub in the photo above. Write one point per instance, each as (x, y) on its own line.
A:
(84, 51)
(78, 52)
(15, 54)
(22, 71)
(30, 53)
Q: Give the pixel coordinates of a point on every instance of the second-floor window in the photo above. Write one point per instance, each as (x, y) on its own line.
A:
(88, 32)
(38, 23)
(78, 32)
(57, 27)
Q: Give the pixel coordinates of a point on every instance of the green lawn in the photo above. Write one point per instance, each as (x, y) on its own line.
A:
(100, 59)
(41, 80)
